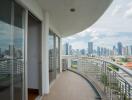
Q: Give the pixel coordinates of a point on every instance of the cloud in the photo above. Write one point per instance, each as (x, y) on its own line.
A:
(79, 45)
(68, 39)
(128, 13)
(82, 34)
(94, 39)
(71, 38)
(129, 4)
(116, 10)
(94, 34)
(110, 41)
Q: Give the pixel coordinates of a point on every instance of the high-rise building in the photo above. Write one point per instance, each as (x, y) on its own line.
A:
(105, 52)
(102, 51)
(124, 51)
(127, 50)
(90, 48)
(82, 51)
(70, 50)
(131, 49)
(77, 52)
(66, 49)
(120, 47)
(98, 51)
(114, 50)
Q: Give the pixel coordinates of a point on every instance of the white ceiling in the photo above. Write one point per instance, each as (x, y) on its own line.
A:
(69, 23)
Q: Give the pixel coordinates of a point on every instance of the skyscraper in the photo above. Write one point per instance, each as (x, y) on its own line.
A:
(105, 51)
(114, 50)
(82, 51)
(131, 49)
(90, 48)
(67, 48)
(70, 50)
(102, 51)
(120, 47)
(98, 51)
(127, 50)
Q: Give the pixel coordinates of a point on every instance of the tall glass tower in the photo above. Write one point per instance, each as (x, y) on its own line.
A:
(90, 48)
(119, 45)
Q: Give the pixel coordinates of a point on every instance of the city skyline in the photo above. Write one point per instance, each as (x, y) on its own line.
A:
(118, 49)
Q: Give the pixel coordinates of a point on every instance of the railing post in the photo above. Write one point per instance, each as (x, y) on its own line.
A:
(129, 92)
(69, 62)
(104, 72)
(125, 94)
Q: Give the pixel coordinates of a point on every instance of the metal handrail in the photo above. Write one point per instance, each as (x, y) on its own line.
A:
(129, 72)
(103, 65)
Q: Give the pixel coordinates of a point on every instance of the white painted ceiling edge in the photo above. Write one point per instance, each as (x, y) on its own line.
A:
(86, 13)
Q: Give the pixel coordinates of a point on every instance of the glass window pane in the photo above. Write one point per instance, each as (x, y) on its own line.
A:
(52, 71)
(57, 55)
(54, 56)
(5, 41)
(18, 51)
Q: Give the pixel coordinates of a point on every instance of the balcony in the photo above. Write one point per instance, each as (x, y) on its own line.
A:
(70, 86)
(90, 78)
(112, 83)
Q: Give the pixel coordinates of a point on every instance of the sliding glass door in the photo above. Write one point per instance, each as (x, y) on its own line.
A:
(11, 50)
(5, 41)
(52, 72)
(54, 56)
(18, 52)
(57, 53)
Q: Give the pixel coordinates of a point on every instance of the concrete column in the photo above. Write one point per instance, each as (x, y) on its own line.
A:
(45, 54)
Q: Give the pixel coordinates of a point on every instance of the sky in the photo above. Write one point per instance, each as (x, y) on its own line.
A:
(7, 38)
(115, 25)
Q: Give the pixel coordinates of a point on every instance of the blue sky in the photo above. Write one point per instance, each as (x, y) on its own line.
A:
(115, 25)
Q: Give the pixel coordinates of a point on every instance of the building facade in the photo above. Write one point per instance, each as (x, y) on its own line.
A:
(90, 48)
(120, 47)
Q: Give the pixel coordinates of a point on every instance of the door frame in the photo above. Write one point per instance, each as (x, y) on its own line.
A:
(28, 13)
(40, 41)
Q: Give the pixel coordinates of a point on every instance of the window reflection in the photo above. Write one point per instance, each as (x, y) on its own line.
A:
(54, 56)
(52, 73)
(18, 50)
(11, 51)
(5, 68)
(57, 54)
(5, 42)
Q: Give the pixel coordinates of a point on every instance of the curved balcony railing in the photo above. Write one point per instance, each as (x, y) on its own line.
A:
(112, 81)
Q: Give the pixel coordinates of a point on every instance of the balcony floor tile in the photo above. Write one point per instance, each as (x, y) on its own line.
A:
(70, 86)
